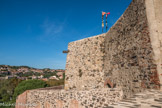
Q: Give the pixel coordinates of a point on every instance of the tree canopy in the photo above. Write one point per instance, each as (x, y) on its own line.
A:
(28, 85)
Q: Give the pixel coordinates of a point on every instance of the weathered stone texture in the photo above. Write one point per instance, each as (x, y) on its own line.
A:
(129, 54)
(22, 100)
(154, 16)
(124, 55)
(94, 98)
(84, 65)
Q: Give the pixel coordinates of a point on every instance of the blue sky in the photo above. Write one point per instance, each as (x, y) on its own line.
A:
(35, 32)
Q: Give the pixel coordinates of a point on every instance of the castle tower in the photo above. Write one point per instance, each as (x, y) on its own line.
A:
(129, 54)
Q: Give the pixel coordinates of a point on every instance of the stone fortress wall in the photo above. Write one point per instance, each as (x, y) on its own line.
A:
(94, 98)
(124, 55)
(154, 16)
(129, 54)
(85, 63)
(106, 68)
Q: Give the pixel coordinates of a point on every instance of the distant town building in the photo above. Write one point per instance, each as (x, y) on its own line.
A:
(34, 77)
(53, 77)
(60, 75)
(40, 77)
(9, 77)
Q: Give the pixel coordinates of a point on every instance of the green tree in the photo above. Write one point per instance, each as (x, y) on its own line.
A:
(28, 85)
(48, 74)
(5, 96)
(7, 90)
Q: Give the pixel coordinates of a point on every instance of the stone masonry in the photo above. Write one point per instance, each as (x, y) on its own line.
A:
(84, 66)
(94, 98)
(106, 68)
(129, 55)
(126, 55)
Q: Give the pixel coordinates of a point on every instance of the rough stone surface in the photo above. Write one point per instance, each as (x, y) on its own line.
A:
(128, 52)
(154, 16)
(22, 100)
(125, 55)
(84, 65)
(94, 98)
